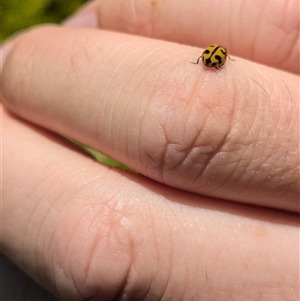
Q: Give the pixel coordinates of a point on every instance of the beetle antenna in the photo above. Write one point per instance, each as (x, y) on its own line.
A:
(197, 61)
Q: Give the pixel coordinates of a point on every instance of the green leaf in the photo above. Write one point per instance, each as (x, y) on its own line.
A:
(99, 156)
(16, 15)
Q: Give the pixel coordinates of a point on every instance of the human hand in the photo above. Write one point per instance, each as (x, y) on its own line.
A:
(208, 137)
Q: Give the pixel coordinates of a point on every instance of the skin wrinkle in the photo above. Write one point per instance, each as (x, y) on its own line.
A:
(39, 258)
(191, 96)
(231, 25)
(71, 235)
(63, 265)
(221, 143)
(52, 260)
(187, 273)
(136, 87)
(157, 249)
(211, 157)
(36, 210)
(152, 67)
(162, 163)
(168, 139)
(289, 32)
(182, 158)
(72, 275)
(171, 261)
(47, 265)
(240, 160)
(197, 274)
(258, 24)
(40, 233)
(133, 9)
(255, 122)
(286, 150)
(292, 103)
(209, 161)
(250, 170)
(155, 90)
(111, 52)
(260, 86)
(87, 50)
(136, 130)
(133, 271)
(98, 239)
(294, 148)
(105, 237)
(169, 256)
(86, 98)
(189, 149)
(122, 290)
(143, 22)
(249, 47)
(93, 250)
(219, 185)
(253, 114)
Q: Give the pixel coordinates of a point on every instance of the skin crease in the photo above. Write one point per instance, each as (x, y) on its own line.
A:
(87, 232)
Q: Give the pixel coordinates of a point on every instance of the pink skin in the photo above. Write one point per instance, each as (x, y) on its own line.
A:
(220, 221)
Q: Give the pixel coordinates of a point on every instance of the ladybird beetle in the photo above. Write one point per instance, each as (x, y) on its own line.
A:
(214, 56)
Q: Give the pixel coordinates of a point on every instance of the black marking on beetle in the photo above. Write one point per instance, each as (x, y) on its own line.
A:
(217, 57)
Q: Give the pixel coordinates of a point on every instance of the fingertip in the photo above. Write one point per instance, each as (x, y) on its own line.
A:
(85, 17)
(4, 52)
(89, 20)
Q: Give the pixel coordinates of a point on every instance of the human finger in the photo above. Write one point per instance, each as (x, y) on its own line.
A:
(86, 16)
(87, 232)
(267, 32)
(37, 223)
(229, 133)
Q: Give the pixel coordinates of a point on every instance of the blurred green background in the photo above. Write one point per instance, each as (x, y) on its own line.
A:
(19, 14)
